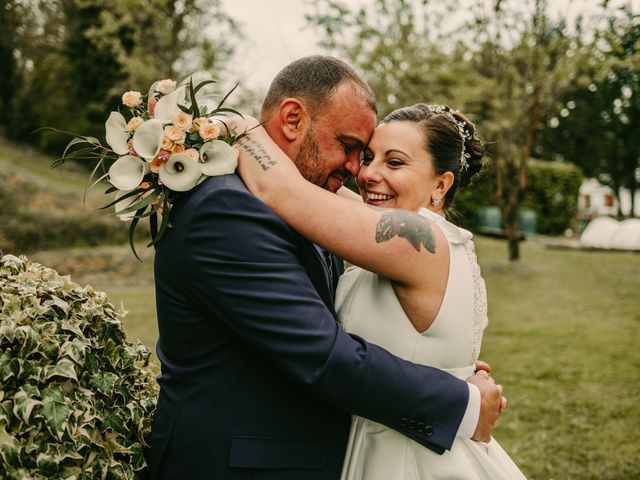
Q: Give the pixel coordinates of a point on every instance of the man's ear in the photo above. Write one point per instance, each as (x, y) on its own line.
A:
(293, 119)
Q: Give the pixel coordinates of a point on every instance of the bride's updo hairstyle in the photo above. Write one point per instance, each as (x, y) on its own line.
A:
(445, 130)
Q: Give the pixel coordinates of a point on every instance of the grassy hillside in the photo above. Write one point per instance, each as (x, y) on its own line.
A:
(42, 207)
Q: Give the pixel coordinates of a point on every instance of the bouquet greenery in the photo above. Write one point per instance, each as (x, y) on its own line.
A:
(165, 143)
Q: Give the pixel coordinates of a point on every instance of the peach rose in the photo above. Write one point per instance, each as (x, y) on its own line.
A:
(132, 98)
(198, 122)
(193, 153)
(174, 133)
(183, 121)
(178, 148)
(167, 143)
(157, 163)
(166, 86)
(209, 131)
(134, 123)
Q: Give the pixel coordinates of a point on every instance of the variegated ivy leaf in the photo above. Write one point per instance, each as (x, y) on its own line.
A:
(23, 405)
(73, 349)
(55, 412)
(76, 400)
(9, 446)
(64, 368)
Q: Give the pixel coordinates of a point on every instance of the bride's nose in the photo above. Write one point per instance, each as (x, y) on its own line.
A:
(370, 173)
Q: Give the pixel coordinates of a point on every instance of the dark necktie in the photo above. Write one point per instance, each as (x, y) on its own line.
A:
(328, 260)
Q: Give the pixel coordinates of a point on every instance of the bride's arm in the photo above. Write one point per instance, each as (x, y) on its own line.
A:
(345, 192)
(395, 243)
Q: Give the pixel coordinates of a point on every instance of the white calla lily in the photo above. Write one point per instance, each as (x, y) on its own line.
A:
(148, 138)
(127, 172)
(167, 106)
(180, 173)
(117, 134)
(218, 158)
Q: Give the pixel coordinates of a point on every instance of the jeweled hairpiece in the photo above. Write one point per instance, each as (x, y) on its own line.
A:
(464, 134)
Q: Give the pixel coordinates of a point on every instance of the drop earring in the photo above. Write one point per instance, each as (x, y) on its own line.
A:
(435, 202)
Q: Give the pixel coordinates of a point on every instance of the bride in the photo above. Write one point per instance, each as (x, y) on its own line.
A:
(417, 289)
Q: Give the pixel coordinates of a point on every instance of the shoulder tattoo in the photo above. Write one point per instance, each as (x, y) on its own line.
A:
(408, 225)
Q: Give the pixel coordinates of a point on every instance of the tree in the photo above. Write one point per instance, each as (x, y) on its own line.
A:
(527, 77)
(101, 49)
(598, 128)
(398, 45)
(506, 65)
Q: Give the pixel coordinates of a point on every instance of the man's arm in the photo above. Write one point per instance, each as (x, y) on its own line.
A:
(243, 266)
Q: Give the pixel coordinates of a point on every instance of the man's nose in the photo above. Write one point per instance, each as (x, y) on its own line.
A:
(352, 165)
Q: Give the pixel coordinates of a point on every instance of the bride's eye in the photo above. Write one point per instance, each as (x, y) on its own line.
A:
(395, 162)
(366, 158)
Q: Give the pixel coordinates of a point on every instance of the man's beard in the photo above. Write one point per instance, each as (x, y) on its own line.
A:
(308, 160)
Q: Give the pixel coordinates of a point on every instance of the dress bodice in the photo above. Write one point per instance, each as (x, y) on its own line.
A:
(368, 306)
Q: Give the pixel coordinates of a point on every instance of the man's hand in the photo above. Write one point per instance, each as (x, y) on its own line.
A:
(492, 402)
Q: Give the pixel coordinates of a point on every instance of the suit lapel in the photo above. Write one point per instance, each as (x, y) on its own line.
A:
(313, 262)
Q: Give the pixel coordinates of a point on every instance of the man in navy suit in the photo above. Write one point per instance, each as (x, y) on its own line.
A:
(258, 379)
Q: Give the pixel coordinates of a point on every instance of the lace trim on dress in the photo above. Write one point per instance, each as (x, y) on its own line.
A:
(480, 317)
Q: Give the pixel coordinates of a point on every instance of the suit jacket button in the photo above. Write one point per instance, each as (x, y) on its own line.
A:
(412, 424)
(428, 430)
(403, 422)
(420, 427)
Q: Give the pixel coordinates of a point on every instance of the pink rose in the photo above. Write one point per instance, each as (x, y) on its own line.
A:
(151, 105)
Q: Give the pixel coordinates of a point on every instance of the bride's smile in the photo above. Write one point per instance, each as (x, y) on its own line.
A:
(397, 170)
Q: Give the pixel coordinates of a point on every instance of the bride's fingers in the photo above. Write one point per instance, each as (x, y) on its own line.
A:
(503, 403)
(483, 366)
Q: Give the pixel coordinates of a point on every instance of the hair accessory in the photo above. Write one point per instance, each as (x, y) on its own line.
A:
(435, 202)
(464, 134)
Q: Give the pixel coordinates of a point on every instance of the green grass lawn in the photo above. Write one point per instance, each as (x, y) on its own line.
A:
(563, 338)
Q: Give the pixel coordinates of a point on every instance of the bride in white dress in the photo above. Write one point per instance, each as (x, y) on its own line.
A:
(426, 301)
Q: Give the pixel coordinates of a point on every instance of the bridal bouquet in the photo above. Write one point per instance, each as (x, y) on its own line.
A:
(160, 145)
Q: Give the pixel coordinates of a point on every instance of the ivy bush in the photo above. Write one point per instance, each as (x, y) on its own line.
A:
(76, 399)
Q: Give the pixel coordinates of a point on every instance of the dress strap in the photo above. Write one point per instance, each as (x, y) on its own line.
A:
(454, 234)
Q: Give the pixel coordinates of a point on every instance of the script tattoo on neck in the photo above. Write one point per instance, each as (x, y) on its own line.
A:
(255, 149)
(408, 225)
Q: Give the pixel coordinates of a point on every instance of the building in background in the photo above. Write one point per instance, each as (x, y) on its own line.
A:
(597, 200)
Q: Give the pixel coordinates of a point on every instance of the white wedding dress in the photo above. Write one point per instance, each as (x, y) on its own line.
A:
(367, 306)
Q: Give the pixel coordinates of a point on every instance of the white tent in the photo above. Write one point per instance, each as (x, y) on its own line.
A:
(605, 232)
(627, 237)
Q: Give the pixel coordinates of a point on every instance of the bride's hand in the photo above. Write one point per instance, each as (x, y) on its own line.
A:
(237, 124)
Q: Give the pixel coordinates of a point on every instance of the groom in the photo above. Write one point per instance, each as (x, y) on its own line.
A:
(258, 379)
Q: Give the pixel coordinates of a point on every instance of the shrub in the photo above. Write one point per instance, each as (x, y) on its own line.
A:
(76, 399)
(552, 192)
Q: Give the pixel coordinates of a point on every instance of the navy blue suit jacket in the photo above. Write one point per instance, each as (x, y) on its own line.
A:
(258, 379)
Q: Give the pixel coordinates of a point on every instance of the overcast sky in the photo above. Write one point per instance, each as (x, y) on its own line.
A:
(277, 33)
